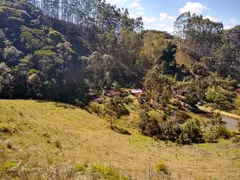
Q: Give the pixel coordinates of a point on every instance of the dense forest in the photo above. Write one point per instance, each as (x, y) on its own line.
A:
(60, 50)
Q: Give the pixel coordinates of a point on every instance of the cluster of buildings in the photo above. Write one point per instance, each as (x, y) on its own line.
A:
(113, 94)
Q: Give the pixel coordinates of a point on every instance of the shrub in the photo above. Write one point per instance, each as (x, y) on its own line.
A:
(217, 131)
(115, 108)
(191, 133)
(45, 53)
(162, 167)
(9, 144)
(7, 166)
(128, 100)
(170, 131)
(49, 160)
(56, 36)
(79, 168)
(94, 107)
(57, 144)
(223, 100)
(32, 71)
(45, 134)
(5, 128)
(155, 115)
(79, 103)
(223, 132)
(101, 171)
(147, 125)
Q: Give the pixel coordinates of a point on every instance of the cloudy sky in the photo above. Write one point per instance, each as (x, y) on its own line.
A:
(161, 14)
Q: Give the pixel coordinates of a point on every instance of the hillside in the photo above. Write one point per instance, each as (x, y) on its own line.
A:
(40, 57)
(44, 136)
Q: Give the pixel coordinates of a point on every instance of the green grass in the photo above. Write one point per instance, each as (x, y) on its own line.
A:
(46, 136)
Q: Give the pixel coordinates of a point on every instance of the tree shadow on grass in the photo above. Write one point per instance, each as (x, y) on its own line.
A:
(119, 130)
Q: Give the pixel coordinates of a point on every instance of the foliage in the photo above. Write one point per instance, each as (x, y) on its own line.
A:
(198, 36)
(79, 167)
(223, 100)
(100, 171)
(95, 107)
(5, 128)
(162, 167)
(191, 133)
(7, 165)
(57, 143)
(114, 108)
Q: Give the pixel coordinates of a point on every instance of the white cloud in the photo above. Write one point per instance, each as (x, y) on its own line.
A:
(140, 13)
(166, 17)
(168, 29)
(132, 16)
(161, 25)
(164, 27)
(227, 27)
(115, 1)
(147, 19)
(137, 5)
(193, 7)
(214, 19)
(233, 21)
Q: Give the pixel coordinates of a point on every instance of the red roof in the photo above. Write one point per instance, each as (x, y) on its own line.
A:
(113, 93)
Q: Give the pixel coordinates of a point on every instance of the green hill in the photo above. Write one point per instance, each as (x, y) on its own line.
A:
(40, 57)
(46, 139)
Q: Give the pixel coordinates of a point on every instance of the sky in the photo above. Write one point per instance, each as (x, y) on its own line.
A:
(161, 14)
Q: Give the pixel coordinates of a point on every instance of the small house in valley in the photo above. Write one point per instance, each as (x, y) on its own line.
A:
(113, 93)
(136, 92)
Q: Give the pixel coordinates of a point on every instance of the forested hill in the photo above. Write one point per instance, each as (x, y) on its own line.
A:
(59, 50)
(38, 60)
(41, 53)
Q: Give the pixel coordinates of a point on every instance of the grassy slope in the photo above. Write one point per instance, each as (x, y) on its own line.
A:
(183, 58)
(86, 138)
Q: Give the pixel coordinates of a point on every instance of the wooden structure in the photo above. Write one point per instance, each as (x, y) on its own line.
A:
(113, 93)
(136, 92)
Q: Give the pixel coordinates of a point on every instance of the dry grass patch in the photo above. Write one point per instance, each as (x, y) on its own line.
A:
(87, 139)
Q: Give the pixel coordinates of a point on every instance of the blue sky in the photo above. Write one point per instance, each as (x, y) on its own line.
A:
(161, 14)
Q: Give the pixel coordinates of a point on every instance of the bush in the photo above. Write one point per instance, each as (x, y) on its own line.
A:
(80, 168)
(57, 144)
(223, 100)
(128, 100)
(162, 167)
(115, 108)
(9, 144)
(155, 115)
(46, 135)
(100, 171)
(170, 131)
(223, 132)
(147, 125)
(56, 36)
(94, 107)
(79, 103)
(45, 53)
(5, 128)
(191, 133)
(7, 165)
(217, 131)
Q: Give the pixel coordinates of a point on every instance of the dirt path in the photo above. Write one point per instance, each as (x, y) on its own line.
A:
(203, 108)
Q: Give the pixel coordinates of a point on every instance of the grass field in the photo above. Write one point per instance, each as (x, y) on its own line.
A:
(50, 135)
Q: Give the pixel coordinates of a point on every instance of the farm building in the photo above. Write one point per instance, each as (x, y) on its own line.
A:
(136, 92)
(113, 93)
